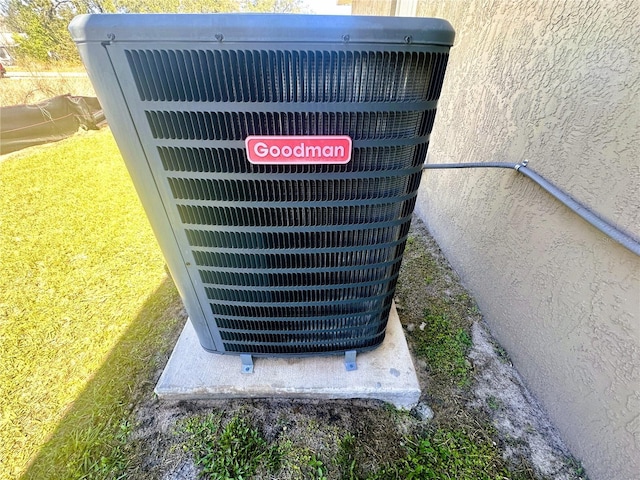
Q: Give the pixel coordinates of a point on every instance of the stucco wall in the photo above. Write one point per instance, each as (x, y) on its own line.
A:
(557, 83)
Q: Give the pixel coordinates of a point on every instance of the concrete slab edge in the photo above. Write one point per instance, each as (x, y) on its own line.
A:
(386, 373)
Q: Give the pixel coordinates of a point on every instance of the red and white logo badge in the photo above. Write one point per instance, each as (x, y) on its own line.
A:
(298, 150)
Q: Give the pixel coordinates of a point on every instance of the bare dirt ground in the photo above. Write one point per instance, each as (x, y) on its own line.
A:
(493, 404)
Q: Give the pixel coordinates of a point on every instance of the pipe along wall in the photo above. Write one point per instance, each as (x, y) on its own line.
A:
(588, 215)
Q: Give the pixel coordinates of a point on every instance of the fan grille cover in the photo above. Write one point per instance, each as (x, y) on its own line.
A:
(273, 259)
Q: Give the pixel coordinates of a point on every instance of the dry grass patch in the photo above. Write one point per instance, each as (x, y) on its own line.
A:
(29, 90)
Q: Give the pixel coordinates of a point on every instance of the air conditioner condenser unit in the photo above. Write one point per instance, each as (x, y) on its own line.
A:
(278, 158)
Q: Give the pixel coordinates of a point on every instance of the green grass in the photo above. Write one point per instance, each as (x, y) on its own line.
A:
(441, 313)
(346, 459)
(445, 348)
(83, 310)
(447, 454)
(230, 445)
(440, 454)
(234, 451)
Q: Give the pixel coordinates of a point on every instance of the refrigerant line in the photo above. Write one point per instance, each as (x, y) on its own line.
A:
(587, 214)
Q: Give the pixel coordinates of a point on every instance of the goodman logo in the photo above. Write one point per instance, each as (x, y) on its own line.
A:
(305, 150)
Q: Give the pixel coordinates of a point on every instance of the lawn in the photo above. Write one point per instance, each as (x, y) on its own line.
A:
(85, 306)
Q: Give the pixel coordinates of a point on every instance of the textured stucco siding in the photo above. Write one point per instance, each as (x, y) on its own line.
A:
(556, 83)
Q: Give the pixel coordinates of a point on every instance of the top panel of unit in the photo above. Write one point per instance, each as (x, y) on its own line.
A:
(256, 28)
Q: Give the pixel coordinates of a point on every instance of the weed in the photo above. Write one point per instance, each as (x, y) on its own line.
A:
(463, 298)
(502, 354)
(236, 451)
(346, 457)
(576, 466)
(318, 471)
(446, 454)
(125, 430)
(494, 403)
(474, 310)
(445, 348)
(115, 460)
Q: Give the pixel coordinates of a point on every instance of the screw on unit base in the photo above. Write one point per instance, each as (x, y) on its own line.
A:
(350, 360)
(247, 363)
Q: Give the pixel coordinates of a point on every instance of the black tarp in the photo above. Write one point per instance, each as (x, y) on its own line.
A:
(59, 117)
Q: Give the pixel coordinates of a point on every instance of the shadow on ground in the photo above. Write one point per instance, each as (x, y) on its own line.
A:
(90, 438)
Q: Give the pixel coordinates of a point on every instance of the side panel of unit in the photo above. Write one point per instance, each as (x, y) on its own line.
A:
(106, 85)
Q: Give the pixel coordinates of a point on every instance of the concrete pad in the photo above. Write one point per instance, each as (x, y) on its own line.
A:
(386, 373)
